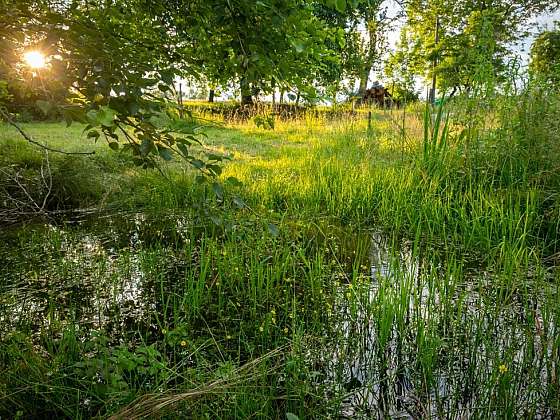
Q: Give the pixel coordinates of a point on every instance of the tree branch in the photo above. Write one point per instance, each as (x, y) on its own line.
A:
(27, 137)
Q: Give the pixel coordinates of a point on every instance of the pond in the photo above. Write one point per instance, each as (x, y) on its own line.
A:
(390, 328)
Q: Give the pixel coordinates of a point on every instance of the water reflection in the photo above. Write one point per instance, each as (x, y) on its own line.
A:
(423, 338)
(418, 335)
(91, 273)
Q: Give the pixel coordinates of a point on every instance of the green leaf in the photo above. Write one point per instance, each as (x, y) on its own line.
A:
(273, 229)
(105, 116)
(164, 88)
(299, 45)
(239, 202)
(218, 190)
(114, 145)
(146, 146)
(215, 169)
(92, 117)
(133, 107)
(165, 153)
(93, 134)
(198, 164)
(233, 181)
(215, 157)
(340, 5)
(183, 149)
(291, 416)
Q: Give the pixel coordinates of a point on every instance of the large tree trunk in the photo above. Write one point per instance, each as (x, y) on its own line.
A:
(371, 54)
(246, 95)
(363, 83)
(211, 95)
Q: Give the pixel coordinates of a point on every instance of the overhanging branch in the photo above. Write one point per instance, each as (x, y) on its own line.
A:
(27, 137)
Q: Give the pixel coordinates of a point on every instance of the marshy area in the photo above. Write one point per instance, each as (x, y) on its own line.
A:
(401, 265)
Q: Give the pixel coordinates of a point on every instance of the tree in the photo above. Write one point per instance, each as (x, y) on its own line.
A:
(545, 56)
(474, 37)
(258, 44)
(400, 71)
(119, 59)
(375, 16)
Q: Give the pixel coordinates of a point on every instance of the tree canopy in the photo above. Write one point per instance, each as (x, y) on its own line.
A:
(473, 37)
(545, 56)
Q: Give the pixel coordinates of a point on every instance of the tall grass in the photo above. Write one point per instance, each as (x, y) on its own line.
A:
(355, 272)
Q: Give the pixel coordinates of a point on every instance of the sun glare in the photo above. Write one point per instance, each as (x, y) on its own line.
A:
(34, 59)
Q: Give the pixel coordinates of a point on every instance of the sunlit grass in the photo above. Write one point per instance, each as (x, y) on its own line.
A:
(391, 280)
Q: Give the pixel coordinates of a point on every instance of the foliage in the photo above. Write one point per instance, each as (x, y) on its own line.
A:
(117, 62)
(545, 56)
(473, 38)
(185, 310)
(400, 71)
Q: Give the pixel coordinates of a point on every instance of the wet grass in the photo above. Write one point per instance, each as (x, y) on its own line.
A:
(369, 273)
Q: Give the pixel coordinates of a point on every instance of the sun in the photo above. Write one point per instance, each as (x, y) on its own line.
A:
(35, 59)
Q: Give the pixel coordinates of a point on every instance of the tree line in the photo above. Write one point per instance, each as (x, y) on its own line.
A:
(111, 63)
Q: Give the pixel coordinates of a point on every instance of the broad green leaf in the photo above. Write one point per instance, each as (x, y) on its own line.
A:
(218, 190)
(215, 169)
(197, 163)
(105, 116)
(234, 182)
(340, 5)
(299, 45)
(93, 134)
(239, 202)
(183, 149)
(92, 117)
(165, 153)
(133, 107)
(146, 146)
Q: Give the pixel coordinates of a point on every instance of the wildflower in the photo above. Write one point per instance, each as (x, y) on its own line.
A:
(286, 330)
(502, 368)
(183, 343)
(261, 329)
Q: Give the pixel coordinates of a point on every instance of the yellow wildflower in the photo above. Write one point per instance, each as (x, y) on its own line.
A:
(502, 368)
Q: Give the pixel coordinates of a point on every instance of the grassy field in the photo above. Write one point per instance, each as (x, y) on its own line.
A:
(381, 271)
